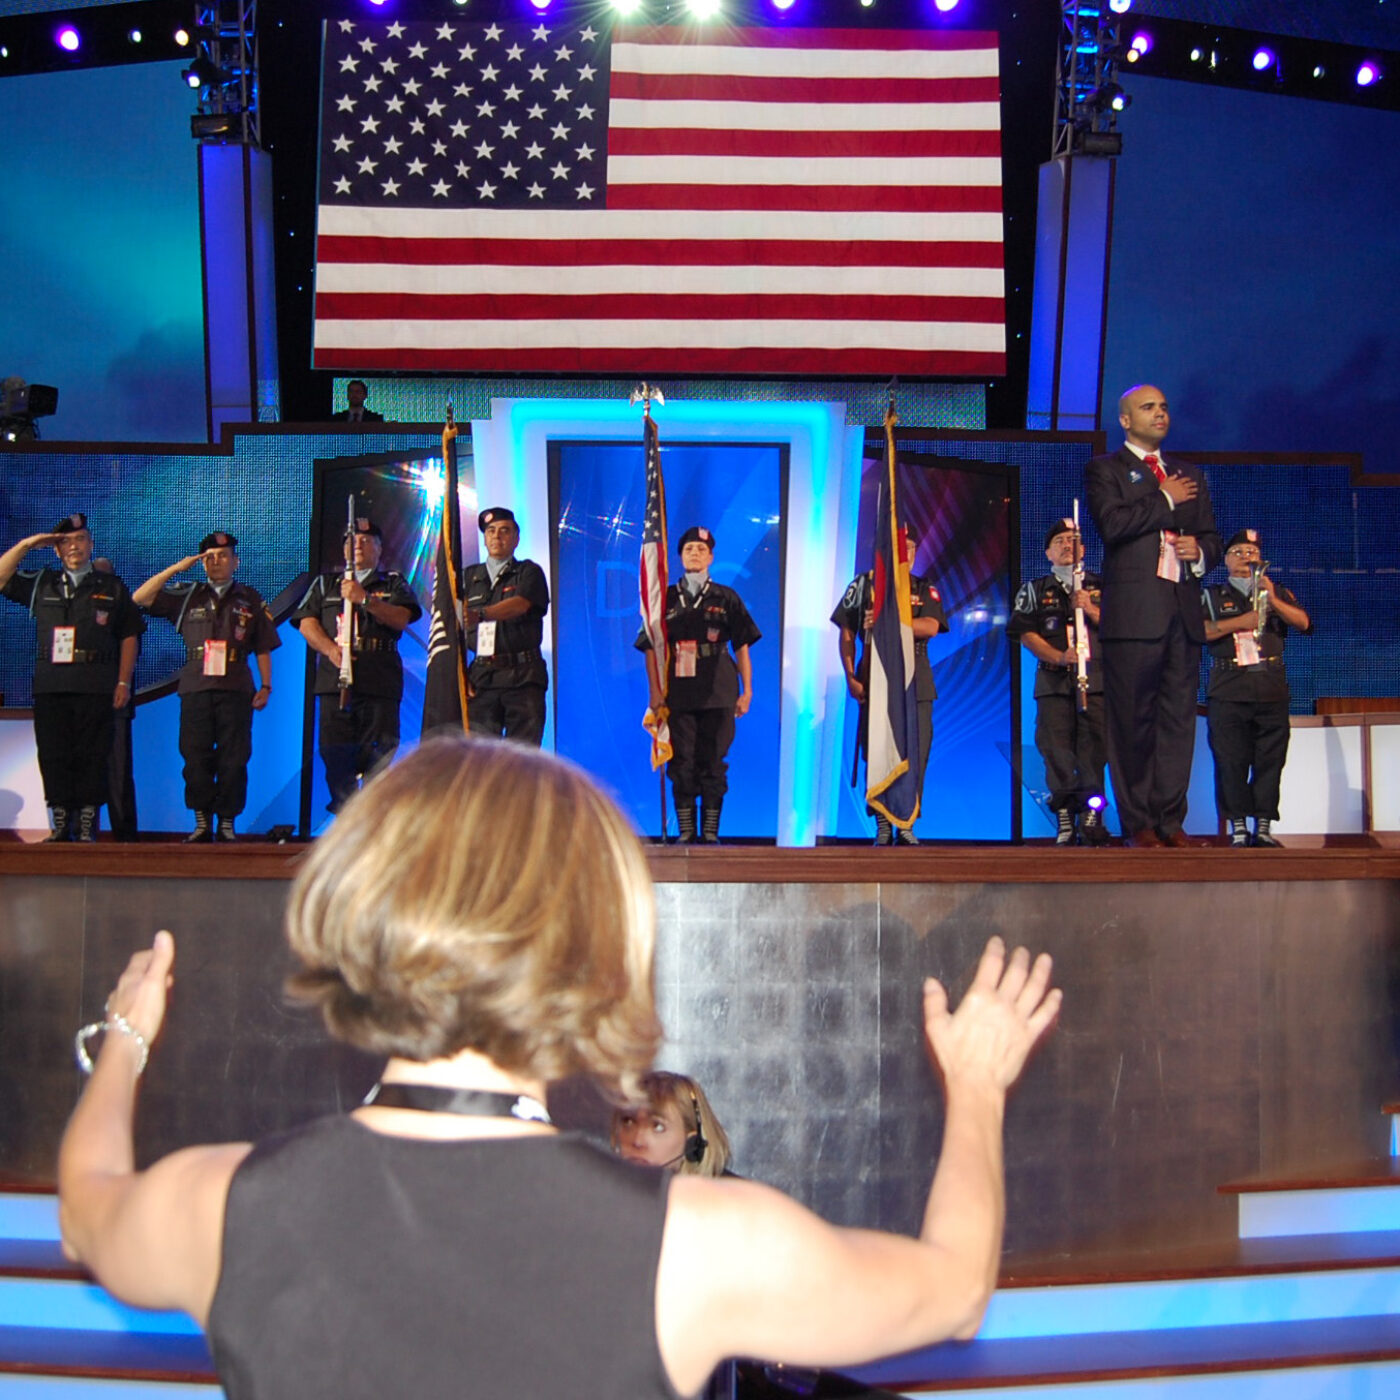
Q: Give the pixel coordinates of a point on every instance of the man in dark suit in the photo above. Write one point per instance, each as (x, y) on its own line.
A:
(1160, 539)
(356, 392)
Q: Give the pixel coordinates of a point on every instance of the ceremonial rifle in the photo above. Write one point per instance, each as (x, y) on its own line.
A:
(347, 609)
(1081, 633)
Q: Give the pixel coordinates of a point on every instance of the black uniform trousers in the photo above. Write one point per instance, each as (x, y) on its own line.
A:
(73, 734)
(1072, 745)
(216, 742)
(1245, 735)
(357, 741)
(1150, 706)
(699, 740)
(509, 712)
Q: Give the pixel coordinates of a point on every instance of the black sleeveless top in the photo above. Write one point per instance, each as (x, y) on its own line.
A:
(358, 1264)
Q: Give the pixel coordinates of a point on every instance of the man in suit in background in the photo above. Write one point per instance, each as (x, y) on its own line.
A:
(1160, 539)
(356, 392)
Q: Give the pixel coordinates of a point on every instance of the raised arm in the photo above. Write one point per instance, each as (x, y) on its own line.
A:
(746, 1271)
(146, 594)
(151, 1238)
(13, 557)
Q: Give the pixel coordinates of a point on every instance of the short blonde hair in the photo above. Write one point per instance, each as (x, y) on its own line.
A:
(661, 1089)
(482, 895)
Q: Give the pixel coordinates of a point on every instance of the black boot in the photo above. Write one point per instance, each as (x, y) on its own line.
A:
(1091, 828)
(58, 825)
(685, 822)
(709, 820)
(87, 824)
(1064, 823)
(1263, 836)
(1239, 833)
(884, 830)
(224, 831)
(202, 831)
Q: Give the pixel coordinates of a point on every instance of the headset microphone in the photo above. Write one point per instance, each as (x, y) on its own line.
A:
(695, 1144)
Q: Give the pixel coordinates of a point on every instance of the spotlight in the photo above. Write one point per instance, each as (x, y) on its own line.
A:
(540, 5)
(182, 38)
(1096, 802)
(1368, 74)
(704, 9)
(783, 6)
(1319, 71)
(67, 39)
(1263, 60)
(133, 36)
(1108, 98)
(1120, 7)
(1141, 44)
(1197, 55)
(943, 6)
(626, 7)
(203, 73)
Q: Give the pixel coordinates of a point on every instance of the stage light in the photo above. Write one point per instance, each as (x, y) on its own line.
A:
(1197, 55)
(1120, 7)
(866, 4)
(1263, 60)
(67, 39)
(540, 5)
(626, 7)
(134, 36)
(703, 9)
(182, 38)
(203, 73)
(783, 6)
(1096, 802)
(945, 5)
(1108, 98)
(1368, 74)
(1141, 44)
(1319, 71)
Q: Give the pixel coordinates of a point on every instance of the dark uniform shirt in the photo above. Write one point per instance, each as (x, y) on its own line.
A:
(102, 615)
(1045, 606)
(517, 659)
(377, 668)
(924, 601)
(1265, 680)
(239, 619)
(712, 623)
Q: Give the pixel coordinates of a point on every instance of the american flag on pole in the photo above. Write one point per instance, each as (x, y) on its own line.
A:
(564, 196)
(445, 684)
(893, 771)
(651, 587)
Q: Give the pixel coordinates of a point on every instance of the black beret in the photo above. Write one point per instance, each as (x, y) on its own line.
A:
(70, 524)
(365, 526)
(218, 539)
(1245, 537)
(1060, 527)
(697, 534)
(495, 514)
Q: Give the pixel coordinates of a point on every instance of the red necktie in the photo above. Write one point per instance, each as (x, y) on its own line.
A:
(1151, 460)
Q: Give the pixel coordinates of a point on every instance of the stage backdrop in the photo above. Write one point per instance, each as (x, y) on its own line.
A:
(99, 236)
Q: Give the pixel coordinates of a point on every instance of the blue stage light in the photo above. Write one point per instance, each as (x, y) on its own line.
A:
(1120, 7)
(1263, 60)
(67, 39)
(1368, 74)
(1141, 44)
(783, 5)
(945, 5)
(1096, 802)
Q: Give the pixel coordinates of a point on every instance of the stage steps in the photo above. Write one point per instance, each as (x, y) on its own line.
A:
(1287, 1312)
(1305, 1305)
(62, 1337)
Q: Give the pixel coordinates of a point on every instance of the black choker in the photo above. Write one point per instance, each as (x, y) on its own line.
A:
(476, 1103)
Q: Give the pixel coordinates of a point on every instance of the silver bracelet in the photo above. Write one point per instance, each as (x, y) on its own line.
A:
(115, 1022)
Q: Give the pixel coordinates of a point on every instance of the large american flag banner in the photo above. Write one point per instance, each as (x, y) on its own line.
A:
(563, 197)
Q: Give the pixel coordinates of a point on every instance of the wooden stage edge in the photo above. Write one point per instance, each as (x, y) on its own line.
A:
(1374, 857)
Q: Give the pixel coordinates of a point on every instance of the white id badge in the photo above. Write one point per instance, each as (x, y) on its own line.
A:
(486, 639)
(216, 658)
(685, 660)
(63, 646)
(1246, 649)
(1168, 565)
